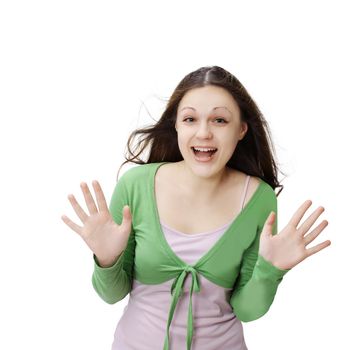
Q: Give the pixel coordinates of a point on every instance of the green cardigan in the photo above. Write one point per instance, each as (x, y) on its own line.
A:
(232, 262)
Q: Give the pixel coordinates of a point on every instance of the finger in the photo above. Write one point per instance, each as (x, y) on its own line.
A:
(77, 208)
(101, 200)
(297, 216)
(310, 220)
(89, 200)
(318, 247)
(314, 233)
(71, 224)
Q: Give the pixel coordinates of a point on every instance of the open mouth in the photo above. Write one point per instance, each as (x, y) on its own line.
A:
(204, 154)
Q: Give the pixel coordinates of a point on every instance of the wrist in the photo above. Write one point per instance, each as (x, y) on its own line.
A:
(104, 263)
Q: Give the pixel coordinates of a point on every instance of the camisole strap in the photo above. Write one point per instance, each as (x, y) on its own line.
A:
(245, 191)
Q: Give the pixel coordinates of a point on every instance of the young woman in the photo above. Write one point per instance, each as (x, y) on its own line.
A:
(191, 233)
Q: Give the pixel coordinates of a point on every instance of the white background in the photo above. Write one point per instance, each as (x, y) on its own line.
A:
(73, 79)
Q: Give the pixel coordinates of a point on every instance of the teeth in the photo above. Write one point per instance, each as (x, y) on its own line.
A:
(204, 149)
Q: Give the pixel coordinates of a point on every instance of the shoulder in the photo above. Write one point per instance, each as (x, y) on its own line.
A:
(240, 177)
(137, 171)
(266, 200)
(265, 192)
(254, 181)
(138, 177)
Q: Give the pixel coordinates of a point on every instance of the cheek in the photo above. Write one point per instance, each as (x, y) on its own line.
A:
(230, 144)
(183, 136)
(182, 140)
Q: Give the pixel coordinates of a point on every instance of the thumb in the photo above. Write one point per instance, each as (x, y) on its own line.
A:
(126, 216)
(268, 225)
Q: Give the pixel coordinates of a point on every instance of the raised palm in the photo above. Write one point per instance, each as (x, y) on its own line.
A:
(288, 248)
(101, 233)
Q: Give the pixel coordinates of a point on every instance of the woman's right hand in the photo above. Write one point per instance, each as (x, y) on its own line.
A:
(106, 239)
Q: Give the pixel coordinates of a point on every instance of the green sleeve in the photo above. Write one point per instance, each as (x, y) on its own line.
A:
(258, 279)
(114, 283)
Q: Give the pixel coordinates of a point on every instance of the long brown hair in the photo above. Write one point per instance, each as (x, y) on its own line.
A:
(254, 154)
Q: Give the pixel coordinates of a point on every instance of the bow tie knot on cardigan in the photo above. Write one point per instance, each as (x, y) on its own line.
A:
(177, 291)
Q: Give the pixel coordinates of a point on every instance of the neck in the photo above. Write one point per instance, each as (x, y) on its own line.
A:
(198, 187)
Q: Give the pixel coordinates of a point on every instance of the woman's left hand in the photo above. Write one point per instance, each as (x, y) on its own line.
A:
(288, 248)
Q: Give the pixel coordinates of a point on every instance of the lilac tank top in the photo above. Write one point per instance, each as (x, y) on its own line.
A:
(142, 325)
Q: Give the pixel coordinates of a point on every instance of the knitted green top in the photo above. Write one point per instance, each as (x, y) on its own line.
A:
(232, 262)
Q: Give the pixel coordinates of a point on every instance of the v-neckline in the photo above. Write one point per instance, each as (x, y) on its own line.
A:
(214, 247)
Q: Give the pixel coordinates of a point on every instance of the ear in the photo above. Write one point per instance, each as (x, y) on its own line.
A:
(243, 130)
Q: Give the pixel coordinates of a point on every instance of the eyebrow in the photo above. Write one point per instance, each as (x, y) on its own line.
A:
(212, 109)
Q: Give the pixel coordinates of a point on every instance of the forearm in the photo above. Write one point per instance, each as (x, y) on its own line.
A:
(111, 283)
(254, 299)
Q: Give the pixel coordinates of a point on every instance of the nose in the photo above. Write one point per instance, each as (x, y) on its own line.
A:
(203, 131)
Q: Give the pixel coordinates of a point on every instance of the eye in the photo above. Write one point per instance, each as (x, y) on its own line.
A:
(187, 118)
(224, 121)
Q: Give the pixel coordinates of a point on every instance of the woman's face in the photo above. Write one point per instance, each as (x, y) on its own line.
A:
(208, 117)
